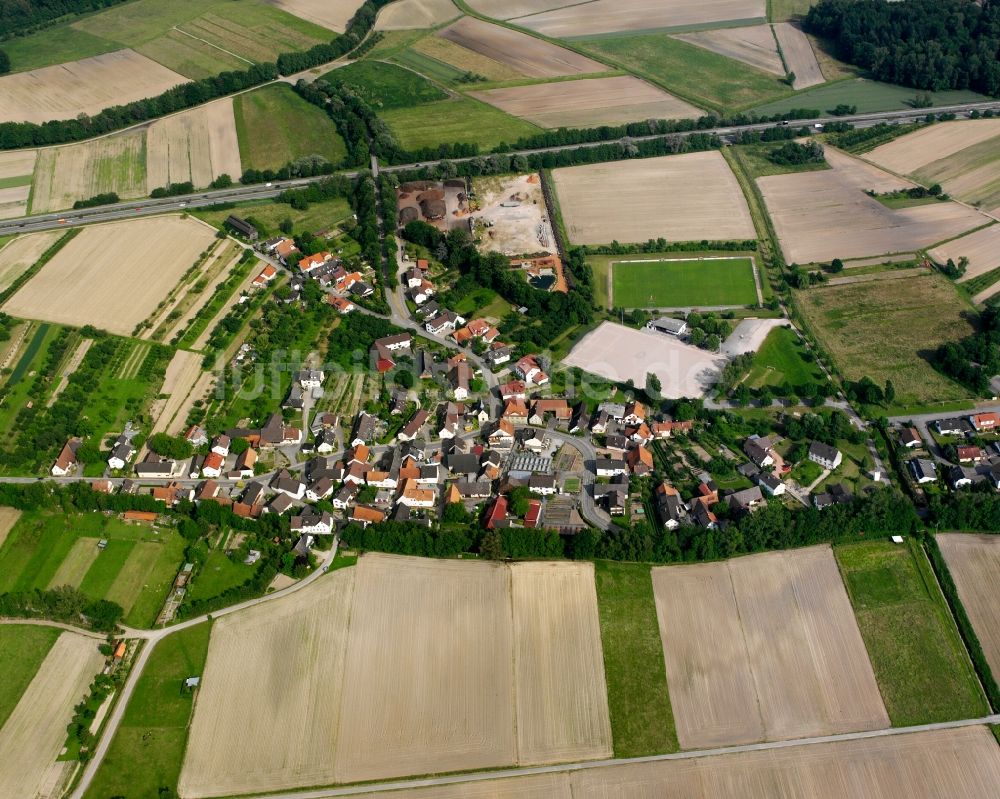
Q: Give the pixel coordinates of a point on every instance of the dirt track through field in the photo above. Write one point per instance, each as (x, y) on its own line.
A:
(415, 14)
(823, 215)
(909, 153)
(528, 55)
(22, 253)
(267, 713)
(588, 103)
(34, 734)
(799, 55)
(679, 197)
(86, 86)
(974, 563)
(562, 697)
(779, 655)
(753, 45)
(609, 16)
(112, 275)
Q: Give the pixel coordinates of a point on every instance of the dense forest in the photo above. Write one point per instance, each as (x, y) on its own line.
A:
(927, 44)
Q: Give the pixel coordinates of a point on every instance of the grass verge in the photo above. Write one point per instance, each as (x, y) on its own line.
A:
(23, 647)
(642, 721)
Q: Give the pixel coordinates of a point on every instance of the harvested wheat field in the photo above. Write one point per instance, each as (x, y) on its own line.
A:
(16, 168)
(612, 16)
(982, 248)
(35, 732)
(799, 55)
(8, 518)
(589, 103)
(267, 712)
(974, 563)
(196, 145)
(962, 763)
(764, 647)
(562, 697)
(909, 153)
(528, 55)
(753, 45)
(112, 276)
(679, 197)
(430, 670)
(823, 215)
(79, 87)
(200, 391)
(22, 253)
(178, 382)
(332, 14)
(79, 171)
(415, 14)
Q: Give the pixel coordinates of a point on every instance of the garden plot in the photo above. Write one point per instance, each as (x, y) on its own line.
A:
(764, 647)
(622, 353)
(974, 563)
(8, 518)
(982, 248)
(429, 669)
(754, 45)
(290, 653)
(562, 698)
(22, 253)
(909, 153)
(799, 55)
(611, 16)
(79, 87)
(178, 382)
(196, 145)
(512, 217)
(823, 215)
(415, 14)
(16, 169)
(332, 14)
(529, 56)
(80, 171)
(589, 103)
(34, 734)
(686, 197)
(113, 276)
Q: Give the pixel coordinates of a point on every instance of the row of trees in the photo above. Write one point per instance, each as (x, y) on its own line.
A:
(19, 17)
(927, 44)
(973, 360)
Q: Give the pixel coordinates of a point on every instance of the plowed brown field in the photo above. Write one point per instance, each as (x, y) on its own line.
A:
(764, 647)
(974, 563)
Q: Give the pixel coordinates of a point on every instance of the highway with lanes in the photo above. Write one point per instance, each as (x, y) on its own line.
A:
(238, 193)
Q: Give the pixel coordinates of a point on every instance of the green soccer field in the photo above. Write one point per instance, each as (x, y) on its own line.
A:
(682, 283)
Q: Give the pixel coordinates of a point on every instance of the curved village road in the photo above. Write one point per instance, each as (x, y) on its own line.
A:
(146, 207)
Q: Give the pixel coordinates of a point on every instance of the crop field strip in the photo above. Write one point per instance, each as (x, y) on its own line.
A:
(920, 662)
(457, 59)
(823, 215)
(82, 87)
(974, 563)
(193, 291)
(415, 14)
(799, 56)
(124, 267)
(678, 197)
(588, 102)
(748, 657)
(20, 254)
(473, 625)
(981, 247)
(34, 733)
(754, 45)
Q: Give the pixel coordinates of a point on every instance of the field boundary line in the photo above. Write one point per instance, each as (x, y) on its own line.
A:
(205, 41)
(425, 782)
